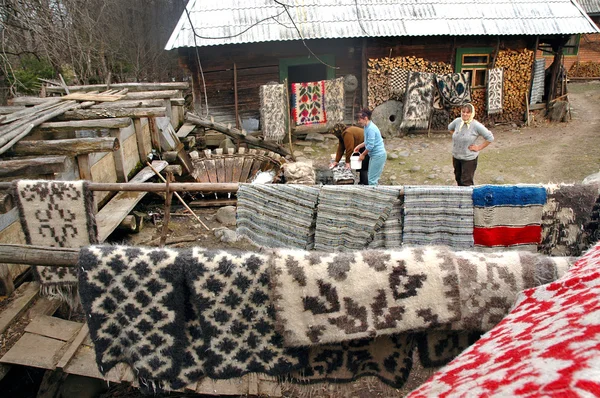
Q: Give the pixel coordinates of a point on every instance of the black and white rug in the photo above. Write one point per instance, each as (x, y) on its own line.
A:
(494, 90)
(418, 100)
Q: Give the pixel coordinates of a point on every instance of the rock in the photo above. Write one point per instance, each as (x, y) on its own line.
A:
(499, 179)
(226, 215)
(324, 145)
(592, 179)
(447, 169)
(301, 159)
(226, 144)
(424, 145)
(393, 155)
(393, 178)
(404, 154)
(315, 137)
(303, 143)
(226, 235)
(402, 162)
(387, 118)
(309, 150)
(298, 153)
(329, 137)
(432, 176)
(414, 169)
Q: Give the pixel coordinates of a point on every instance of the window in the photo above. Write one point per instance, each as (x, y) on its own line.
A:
(571, 48)
(306, 69)
(474, 61)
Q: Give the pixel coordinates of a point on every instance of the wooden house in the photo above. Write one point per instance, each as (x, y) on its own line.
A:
(233, 47)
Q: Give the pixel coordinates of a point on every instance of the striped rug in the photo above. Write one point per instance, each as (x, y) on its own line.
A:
(438, 215)
(349, 216)
(508, 216)
(390, 235)
(277, 215)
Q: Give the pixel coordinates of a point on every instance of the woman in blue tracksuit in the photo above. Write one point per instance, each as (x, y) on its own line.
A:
(373, 145)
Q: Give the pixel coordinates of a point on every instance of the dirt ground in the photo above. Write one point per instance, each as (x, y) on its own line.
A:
(541, 153)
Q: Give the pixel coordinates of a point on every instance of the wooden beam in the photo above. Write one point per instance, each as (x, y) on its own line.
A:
(85, 168)
(73, 125)
(149, 95)
(6, 202)
(69, 147)
(119, 157)
(363, 74)
(5, 110)
(116, 112)
(27, 101)
(24, 296)
(92, 97)
(235, 97)
(149, 103)
(139, 136)
(130, 86)
(36, 166)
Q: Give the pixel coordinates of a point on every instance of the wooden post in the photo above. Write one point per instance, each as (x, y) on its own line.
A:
(85, 169)
(235, 96)
(288, 118)
(139, 137)
(154, 137)
(363, 72)
(119, 157)
(167, 217)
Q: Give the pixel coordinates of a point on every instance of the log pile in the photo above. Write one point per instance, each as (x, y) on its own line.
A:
(585, 69)
(379, 71)
(478, 99)
(517, 75)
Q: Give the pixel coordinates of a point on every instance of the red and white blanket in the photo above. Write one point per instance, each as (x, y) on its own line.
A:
(549, 345)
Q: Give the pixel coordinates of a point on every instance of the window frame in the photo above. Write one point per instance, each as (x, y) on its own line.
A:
(459, 64)
(285, 63)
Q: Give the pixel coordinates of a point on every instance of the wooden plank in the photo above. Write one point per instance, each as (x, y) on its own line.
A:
(84, 114)
(73, 125)
(139, 135)
(211, 170)
(130, 104)
(149, 95)
(200, 173)
(68, 147)
(131, 86)
(238, 164)
(154, 136)
(53, 327)
(34, 350)
(92, 97)
(23, 297)
(229, 169)
(213, 203)
(111, 215)
(220, 165)
(246, 169)
(256, 166)
(185, 130)
(76, 342)
(119, 157)
(45, 165)
(85, 169)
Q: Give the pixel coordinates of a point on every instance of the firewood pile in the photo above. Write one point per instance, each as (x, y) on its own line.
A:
(379, 71)
(478, 98)
(517, 75)
(585, 69)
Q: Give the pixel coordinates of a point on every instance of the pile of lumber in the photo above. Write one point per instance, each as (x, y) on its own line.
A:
(380, 69)
(517, 75)
(585, 69)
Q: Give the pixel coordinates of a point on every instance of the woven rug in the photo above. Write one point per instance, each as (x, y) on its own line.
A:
(235, 333)
(566, 212)
(390, 235)
(56, 214)
(438, 347)
(441, 215)
(389, 358)
(273, 110)
(308, 102)
(547, 346)
(508, 216)
(418, 100)
(334, 100)
(494, 90)
(341, 173)
(133, 299)
(490, 283)
(332, 297)
(277, 215)
(398, 80)
(348, 217)
(454, 88)
(537, 86)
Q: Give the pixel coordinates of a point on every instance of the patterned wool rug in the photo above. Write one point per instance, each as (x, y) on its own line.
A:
(277, 215)
(567, 211)
(454, 88)
(334, 100)
(348, 217)
(332, 297)
(134, 299)
(490, 283)
(418, 100)
(494, 90)
(56, 214)
(547, 346)
(398, 80)
(441, 215)
(308, 102)
(273, 111)
(342, 174)
(438, 347)
(508, 216)
(388, 358)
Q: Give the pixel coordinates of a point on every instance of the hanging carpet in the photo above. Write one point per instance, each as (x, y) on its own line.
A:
(418, 100)
(454, 88)
(334, 100)
(56, 214)
(537, 86)
(308, 102)
(494, 90)
(398, 80)
(273, 111)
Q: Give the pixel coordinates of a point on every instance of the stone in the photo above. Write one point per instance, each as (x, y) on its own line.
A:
(387, 117)
(329, 137)
(592, 179)
(499, 179)
(432, 176)
(393, 178)
(298, 153)
(404, 154)
(424, 145)
(226, 215)
(226, 235)
(414, 169)
(314, 137)
(393, 155)
(309, 150)
(303, 143)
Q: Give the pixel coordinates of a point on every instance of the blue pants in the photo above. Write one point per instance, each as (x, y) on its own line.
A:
(376, 163)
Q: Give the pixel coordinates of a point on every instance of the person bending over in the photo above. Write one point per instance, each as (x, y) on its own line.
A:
(348, 139)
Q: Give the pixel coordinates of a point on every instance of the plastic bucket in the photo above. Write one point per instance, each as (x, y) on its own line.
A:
(355, 162)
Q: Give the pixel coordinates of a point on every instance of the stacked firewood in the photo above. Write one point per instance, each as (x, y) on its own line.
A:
(380, 70)
(517, 75)
(585, 69)
(478, 99)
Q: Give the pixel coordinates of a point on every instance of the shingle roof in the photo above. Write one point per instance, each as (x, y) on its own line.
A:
(249, 21)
